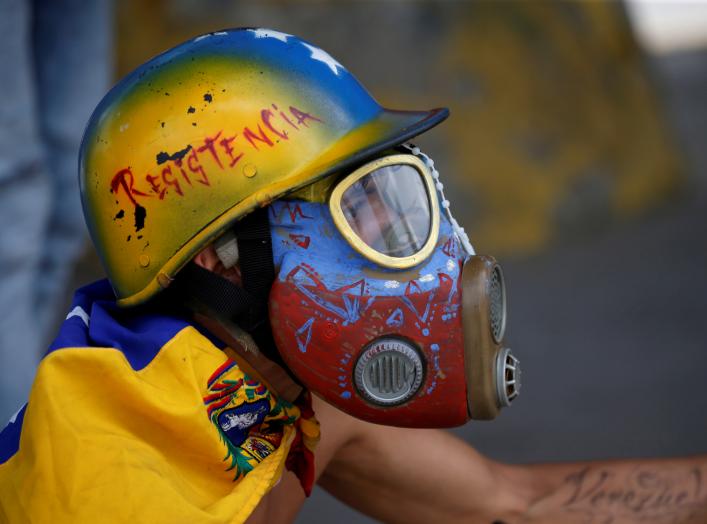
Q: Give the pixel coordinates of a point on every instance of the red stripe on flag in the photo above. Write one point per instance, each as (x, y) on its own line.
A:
(220, 394)
(220, 371)
(217, 405)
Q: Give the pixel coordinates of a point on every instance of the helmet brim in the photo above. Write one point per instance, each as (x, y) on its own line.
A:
(388, 129)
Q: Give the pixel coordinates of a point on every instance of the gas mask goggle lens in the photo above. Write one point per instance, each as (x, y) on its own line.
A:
(388, 211)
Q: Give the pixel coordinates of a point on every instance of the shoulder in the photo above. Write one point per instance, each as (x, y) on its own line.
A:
(106, 360)
(137, 401)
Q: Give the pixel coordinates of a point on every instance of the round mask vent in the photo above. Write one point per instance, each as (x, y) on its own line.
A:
(388, 372)
(497, 304)
(507, 377)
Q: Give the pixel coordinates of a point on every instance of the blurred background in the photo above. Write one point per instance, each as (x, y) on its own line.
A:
(575, 155)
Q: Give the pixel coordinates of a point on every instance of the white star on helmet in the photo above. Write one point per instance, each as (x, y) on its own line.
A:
(323, 56)
(269, 33)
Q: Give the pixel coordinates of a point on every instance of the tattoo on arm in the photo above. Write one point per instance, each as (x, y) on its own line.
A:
(640, 494)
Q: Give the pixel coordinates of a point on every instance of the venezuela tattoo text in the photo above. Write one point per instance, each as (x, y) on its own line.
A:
(656, 495)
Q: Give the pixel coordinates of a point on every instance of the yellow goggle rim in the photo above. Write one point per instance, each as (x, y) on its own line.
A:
(356, 242)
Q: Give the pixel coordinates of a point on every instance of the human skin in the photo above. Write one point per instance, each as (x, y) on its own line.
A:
(423, 475)
(419, 475)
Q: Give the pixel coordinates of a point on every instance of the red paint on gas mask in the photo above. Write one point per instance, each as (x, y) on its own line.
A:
(322, 349)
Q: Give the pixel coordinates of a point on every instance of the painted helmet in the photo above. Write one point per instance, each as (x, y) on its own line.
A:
(203, 134)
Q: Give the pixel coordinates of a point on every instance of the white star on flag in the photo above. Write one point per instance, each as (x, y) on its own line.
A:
(323, 56)
(80, 312)
(269, 33)
(13, 418)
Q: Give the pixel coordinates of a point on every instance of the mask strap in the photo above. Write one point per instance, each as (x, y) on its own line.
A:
(256, 260)
(246, 306)
(459, 232)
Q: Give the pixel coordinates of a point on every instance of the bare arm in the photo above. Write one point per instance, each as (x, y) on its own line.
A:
(401, 475)
(412, 475)
(658, 491)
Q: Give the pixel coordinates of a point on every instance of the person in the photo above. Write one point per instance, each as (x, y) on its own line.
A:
(55, 59)
(269, 232)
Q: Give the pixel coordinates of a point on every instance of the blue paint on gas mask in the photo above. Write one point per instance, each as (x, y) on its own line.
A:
(304, 234)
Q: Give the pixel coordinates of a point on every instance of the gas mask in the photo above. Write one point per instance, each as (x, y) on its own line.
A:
(380, 305)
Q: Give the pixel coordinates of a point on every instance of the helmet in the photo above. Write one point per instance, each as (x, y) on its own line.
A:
(207, 132)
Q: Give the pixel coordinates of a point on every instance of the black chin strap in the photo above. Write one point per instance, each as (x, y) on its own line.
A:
(246, 306)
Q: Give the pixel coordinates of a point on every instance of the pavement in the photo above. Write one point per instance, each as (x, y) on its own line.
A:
(610, 327)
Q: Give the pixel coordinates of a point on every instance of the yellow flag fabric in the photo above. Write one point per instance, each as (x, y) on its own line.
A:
(140, 418)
